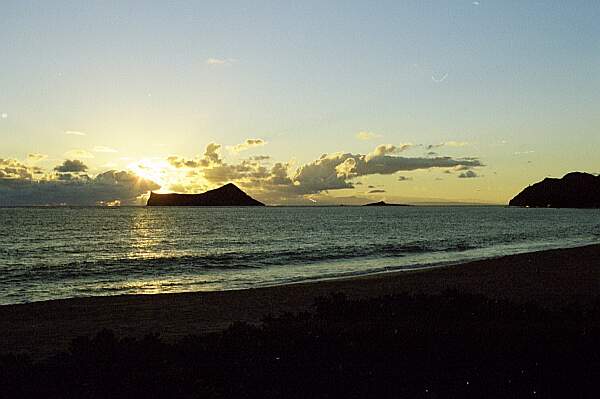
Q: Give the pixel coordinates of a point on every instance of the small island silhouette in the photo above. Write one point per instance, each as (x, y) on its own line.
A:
(383, 203)
(574, 190)
(227, 195)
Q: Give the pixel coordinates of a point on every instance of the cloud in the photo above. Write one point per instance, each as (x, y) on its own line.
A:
(36, 157)
(74, 189)
(74, 133)
(385, 149)
(330, 172)
(335, 171)
(447, 144)
(4, 115)
(440, 79)
(260, 158)
(246, 170)
(281, 183)
(13, 169)
(459, 168)
(246, 145)
(101, 148)
(456, 143)
(220, 61)
(68, 166)
(376, 191)
(211, 157)
(469, 174)
(79, 154)
(365, 136)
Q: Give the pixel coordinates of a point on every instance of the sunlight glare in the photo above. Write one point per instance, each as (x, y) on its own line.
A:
(154, 170)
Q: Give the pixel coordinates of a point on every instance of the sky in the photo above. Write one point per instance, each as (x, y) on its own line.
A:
(296, 102)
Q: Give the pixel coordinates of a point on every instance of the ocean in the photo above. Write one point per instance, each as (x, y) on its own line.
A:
(63, 252)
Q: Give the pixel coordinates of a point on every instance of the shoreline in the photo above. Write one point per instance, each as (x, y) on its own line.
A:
(402, 269)
(416, 266)
(550, 278)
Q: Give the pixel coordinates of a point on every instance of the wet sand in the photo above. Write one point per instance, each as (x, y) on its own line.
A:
(551, 279)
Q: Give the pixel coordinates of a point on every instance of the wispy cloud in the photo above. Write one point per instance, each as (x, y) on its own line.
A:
(101, 148)
(246, 145)
(439, 79)
(220, 61)
(74, 133)
(365, 136)
(36, 157)
(78, 153)
(448, 144)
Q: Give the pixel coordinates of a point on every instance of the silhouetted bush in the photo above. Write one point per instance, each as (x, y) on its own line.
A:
(449, 345)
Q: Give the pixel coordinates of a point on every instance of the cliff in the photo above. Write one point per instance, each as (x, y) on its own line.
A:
(574, 190)
(228, 195)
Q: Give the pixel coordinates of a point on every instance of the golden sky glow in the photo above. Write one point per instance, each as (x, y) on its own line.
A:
(330, 102)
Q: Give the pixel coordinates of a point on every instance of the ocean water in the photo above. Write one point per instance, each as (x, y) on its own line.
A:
(51, 253)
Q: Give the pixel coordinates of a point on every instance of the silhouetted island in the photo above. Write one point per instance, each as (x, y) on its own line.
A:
(383, 203)
(574, 190)
(228, 195)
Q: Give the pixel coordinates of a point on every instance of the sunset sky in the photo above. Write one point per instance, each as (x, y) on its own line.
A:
(296, 102)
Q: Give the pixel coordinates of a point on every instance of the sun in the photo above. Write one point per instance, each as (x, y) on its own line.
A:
(154, 170)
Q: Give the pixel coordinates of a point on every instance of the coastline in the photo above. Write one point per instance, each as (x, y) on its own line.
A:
(551, 278)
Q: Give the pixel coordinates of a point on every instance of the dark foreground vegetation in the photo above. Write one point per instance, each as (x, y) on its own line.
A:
(450, 345)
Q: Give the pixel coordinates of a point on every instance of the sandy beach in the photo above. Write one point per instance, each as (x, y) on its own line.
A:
(551, 279)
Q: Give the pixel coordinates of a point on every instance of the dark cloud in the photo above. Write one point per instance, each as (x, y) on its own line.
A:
(376, 191)
(468, 175)
(71, 166)
(335, 171)
(13, 169)
(71, 176)
(260, 158)
(245, 170)
(447, 144)
(75, 189)
(432, 146)
(69, 183)
(211, 157)
(250, 173)
(279, 175)
(329, 172)
(458, 168)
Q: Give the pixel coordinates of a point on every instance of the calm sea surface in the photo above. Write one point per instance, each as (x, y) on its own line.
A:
(49, 253)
